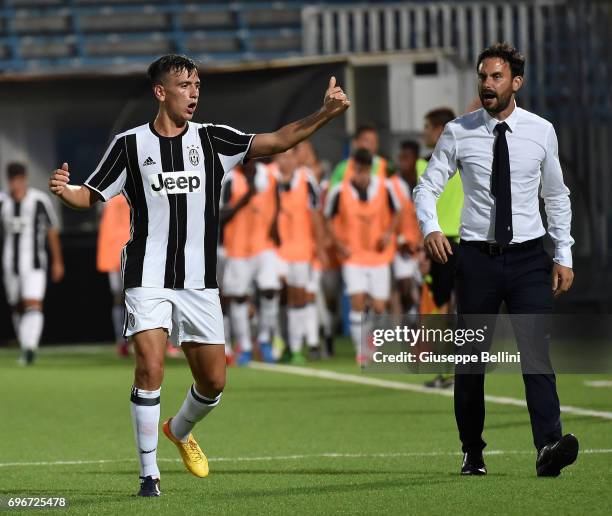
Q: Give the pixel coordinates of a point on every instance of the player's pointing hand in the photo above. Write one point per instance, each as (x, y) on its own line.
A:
(336, 102)
(59, 179)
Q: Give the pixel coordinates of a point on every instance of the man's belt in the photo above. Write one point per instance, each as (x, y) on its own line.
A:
(494, 249)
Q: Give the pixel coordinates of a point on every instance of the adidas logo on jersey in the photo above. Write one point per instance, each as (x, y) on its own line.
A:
(172, 183)
(148, 161)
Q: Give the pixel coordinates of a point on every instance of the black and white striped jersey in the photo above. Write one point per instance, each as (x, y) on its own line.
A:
(24, 231)
(173, 187)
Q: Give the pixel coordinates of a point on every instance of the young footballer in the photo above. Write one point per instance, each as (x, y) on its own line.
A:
(29, 221)
(170, 171)
(363, 215)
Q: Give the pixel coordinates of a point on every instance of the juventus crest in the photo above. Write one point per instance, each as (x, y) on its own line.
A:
(194, 156)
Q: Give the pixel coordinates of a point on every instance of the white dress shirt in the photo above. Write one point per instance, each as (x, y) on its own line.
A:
(467, 145)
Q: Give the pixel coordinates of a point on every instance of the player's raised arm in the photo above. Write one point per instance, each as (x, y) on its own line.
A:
(334, 104)
(77, 197)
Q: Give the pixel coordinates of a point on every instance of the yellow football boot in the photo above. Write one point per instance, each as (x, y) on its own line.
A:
(193, 457)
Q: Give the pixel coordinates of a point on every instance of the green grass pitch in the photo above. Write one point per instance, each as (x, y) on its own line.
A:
(281, 443)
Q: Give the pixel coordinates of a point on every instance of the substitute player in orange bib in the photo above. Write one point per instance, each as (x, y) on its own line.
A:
(249, 211)
(113, 233)
(363, 218)
(300, 227)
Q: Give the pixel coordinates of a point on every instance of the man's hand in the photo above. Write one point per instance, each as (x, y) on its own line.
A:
(75, 197)
(438, 246)
(57, 271)
(336, 102)
(406, 249)
(323, 259)
(59, 180)
(343, 251)
(562, 279)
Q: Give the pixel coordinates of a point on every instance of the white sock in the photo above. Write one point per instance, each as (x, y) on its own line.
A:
(195, 408)
(312, 325)
(355, 327)
(145, 420)
(30, 329)
(239, 314)
(267, 318)
(118, 320)
(295, 328)
(366, 328)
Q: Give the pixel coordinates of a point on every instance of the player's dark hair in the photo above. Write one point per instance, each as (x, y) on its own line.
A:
(364, 128)
(508, 53)
(169, 63)
(363, 157)
(440, 117)
(15, 170)
(411, 145)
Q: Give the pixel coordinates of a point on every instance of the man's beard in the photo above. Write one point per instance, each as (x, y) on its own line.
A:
(502, 104)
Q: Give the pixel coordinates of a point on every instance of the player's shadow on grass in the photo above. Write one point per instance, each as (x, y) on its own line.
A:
(303, 471)
(434, 473)
(508, 424)
(319, 490)
(526, 424)
(319, 472)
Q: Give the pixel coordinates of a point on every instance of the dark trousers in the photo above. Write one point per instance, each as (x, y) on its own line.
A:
(521, 279)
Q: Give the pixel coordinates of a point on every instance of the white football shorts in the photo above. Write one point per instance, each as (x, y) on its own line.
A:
(314, 282)
(189, 315)
(296, 274)
(240, 273)
(27, 285)
(365, 279)
(405, 267)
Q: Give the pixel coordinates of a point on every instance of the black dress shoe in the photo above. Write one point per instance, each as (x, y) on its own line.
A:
(552, 458)
(473, 464)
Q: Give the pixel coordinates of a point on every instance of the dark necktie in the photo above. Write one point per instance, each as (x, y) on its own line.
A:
(500, 186)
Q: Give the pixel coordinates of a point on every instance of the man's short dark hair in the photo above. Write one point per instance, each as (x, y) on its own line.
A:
(363, 157)
(440, 117)
(411, 145)
(508, 53)
(364, 128)
(15, 170)
(169, 63)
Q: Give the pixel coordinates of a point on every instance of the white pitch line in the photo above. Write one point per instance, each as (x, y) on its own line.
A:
(405, 386)
(269, 458)
(599, 383)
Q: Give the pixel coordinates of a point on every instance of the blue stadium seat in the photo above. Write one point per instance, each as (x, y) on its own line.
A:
(123, 22)
(23, 23)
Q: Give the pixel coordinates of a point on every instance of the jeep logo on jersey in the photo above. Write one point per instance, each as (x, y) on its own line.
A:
(194, 157)
(172, 183)
(15, 225)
